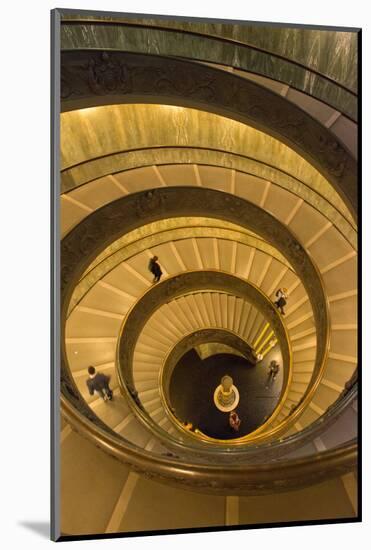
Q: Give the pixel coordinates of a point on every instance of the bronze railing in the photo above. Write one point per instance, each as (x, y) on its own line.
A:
(196, 281)
(137, 78)
(92, 236)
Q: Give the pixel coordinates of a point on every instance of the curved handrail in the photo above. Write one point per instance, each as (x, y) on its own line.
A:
(104, 225)
(266, 450)
(282, 65)
(173, 356)
(200, 336)
(86, 241)
(208, 36)
(162, 80)
(144, 241)
(233, 158)
(185, 283)
(236, 479)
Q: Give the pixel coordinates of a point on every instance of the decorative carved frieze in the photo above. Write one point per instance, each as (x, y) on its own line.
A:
(194, 281)
(91, 78)
(104, 226)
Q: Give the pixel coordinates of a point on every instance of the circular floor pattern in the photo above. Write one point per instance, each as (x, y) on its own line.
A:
(193, 383)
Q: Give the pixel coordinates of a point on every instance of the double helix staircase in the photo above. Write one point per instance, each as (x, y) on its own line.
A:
(129, 464)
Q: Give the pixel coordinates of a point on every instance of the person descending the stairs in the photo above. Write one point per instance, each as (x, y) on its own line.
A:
(281, 301)
(155, 269)
(99, 382)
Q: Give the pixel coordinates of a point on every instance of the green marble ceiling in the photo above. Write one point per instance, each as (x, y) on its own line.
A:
(321, 63)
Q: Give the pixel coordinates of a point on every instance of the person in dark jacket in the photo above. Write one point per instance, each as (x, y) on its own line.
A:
(281, 301)
(155, 269)
(99, 382)
(272, 373)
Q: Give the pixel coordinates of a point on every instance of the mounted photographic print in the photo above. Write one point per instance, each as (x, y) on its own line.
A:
(205, 197)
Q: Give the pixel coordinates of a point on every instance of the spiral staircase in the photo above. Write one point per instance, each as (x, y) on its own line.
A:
(238, 195)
